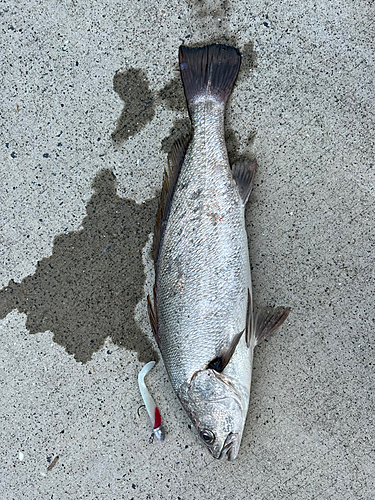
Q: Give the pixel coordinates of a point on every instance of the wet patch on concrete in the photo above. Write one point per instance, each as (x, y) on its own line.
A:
(87, 290)
(249, 59)
(173, 96)
(233, 147)
(209, 8)
(133, 88)
(209, 15)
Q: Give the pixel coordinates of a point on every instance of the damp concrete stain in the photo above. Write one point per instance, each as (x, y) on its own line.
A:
(248, 59)
(233, 147)
(133, 88)
(209, 15)
(173, 95)
(87, 290)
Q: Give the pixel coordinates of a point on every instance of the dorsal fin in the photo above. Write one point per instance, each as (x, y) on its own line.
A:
(171, 173)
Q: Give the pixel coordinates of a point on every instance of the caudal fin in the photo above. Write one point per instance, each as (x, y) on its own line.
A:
(210, 70)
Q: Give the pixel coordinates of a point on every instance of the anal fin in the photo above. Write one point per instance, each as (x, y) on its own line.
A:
(268, 320)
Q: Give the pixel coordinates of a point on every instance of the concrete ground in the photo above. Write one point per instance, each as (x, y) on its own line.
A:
(91, 102)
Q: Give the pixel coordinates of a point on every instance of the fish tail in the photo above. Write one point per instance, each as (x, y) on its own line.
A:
(209, 71)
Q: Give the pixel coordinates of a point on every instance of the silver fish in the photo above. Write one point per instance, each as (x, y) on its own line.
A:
(202, 316)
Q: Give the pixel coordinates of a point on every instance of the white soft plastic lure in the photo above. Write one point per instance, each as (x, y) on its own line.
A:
(151, 407)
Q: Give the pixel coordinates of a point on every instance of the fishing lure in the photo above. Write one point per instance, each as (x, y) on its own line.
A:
(151, 407)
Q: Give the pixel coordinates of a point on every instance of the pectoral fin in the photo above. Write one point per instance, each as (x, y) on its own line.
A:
(218, 364)
(268, 321)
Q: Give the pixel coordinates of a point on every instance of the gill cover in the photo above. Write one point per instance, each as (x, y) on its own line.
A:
(216, 410)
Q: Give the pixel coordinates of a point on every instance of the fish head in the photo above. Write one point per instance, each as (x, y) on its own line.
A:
(217, 410)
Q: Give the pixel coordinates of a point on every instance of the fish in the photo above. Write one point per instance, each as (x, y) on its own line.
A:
(201, 312)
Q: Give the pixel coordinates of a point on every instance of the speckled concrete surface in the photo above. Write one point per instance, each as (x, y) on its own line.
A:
(91, 102)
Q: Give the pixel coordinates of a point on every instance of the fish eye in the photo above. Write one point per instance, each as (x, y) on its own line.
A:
(207, 436)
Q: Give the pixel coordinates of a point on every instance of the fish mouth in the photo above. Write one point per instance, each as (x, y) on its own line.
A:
(229, 448)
